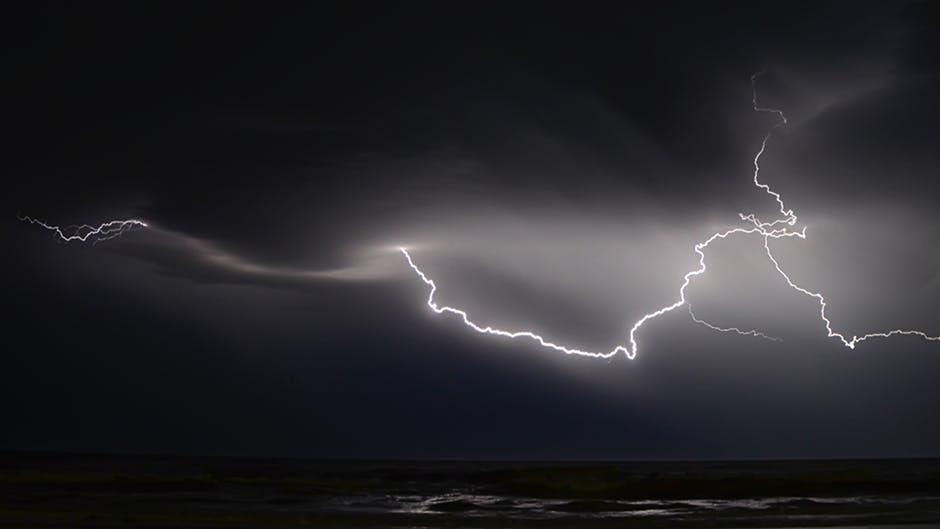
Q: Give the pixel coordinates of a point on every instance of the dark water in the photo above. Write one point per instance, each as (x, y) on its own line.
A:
(47, 490)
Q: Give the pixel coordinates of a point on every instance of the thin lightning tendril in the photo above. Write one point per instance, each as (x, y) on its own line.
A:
(767, 230)
(84, 232)
(752, 332)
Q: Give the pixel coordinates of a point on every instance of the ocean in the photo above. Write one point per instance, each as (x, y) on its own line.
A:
(68, 490)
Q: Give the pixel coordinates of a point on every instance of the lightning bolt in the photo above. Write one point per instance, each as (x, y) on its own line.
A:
(781, 227)
(778, 228)
(85, 232)
(498, 332)
(822, 312)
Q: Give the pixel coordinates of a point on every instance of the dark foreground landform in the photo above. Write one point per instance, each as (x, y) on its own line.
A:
(55, 490)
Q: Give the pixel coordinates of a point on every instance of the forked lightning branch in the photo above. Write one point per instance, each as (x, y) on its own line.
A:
(765, 231)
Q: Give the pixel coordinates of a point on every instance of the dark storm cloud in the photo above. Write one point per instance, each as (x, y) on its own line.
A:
(550, 167)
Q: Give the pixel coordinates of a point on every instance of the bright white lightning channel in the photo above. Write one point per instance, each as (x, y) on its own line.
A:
(775, 229)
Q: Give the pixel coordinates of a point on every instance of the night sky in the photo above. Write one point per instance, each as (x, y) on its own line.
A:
(550, 167)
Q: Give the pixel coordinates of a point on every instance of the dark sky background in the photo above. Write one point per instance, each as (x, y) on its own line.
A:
(550, 167)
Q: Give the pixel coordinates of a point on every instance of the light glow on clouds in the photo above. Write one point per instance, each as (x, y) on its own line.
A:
(784, 226)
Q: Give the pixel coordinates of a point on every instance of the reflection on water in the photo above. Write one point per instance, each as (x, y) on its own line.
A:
(67, 491)
(484, 505)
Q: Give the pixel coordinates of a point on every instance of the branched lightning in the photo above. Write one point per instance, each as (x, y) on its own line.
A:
(822, 312)
(85, 232)
(767, 230)
(781, 227)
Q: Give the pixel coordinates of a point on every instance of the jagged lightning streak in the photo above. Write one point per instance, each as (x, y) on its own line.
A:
(787, 214)
(735, 330)
(498, 332)
(84, 232)
(822, 311)
(768, 230)
(632, 350)
(789, 218)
